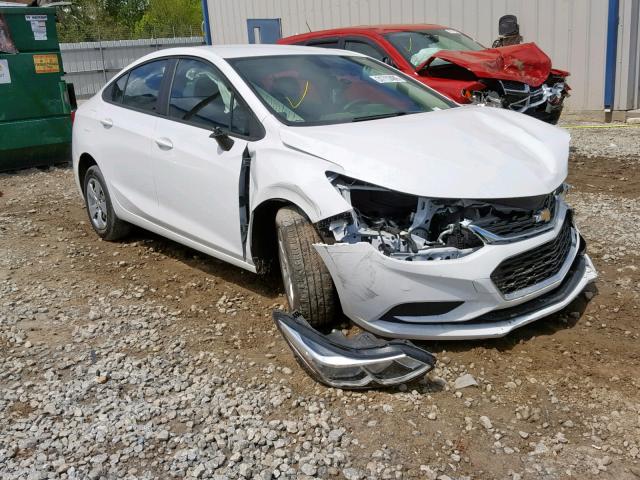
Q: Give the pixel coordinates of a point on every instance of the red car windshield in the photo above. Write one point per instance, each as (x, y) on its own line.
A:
(417, 46)
(325, 89)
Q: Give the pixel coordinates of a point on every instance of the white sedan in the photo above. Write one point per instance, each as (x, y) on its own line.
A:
(377, 196)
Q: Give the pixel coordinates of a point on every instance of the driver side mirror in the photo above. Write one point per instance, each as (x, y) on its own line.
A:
(224, 140)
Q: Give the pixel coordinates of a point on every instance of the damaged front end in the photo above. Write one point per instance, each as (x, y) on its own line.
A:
(406, 266)
(406, 227)
(515, 77)
(363, 361)
(544, 102)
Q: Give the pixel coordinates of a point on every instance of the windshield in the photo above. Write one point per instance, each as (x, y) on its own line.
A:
(418, 46)
(327, 89)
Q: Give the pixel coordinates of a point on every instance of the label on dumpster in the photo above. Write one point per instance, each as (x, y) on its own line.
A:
(38, 26)
(46, 63)
(5, 76)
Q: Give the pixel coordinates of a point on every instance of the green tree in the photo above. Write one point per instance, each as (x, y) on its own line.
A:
(76, 22)
(125, 12)
(92, 20)
(168, 17)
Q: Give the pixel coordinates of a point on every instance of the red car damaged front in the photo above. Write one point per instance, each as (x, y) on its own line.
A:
(517, 77)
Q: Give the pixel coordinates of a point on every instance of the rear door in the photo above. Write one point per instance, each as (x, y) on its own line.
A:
(197, 180)
(126, 122)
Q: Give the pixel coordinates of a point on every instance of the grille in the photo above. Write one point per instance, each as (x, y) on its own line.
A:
(518, 223)
(534, 266)
(516, 94)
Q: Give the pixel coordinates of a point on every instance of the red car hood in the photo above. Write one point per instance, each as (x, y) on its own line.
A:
(522, 63)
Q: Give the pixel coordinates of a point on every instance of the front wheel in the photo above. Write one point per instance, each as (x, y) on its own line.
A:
(98, 202)
(307, 282)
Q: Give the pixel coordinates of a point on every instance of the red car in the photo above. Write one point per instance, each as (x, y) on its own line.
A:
(518, 77)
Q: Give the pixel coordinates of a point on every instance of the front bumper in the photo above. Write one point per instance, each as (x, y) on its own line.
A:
(449, 299)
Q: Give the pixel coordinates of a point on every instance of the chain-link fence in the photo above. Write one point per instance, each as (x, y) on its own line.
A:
(76, 33)
(89, 65)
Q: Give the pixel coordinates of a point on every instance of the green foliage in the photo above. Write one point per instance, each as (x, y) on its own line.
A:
(125, 12)
(164, 15)
(93, 20)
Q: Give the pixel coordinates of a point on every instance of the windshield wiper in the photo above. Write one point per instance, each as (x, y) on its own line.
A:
(380, 115)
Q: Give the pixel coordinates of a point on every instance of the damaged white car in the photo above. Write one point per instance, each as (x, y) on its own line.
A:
(378, 196)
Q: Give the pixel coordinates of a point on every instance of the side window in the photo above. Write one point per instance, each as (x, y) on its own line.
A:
(143, 85)
(200, 95)
(364, 48)
(117, 91)
(324, 43)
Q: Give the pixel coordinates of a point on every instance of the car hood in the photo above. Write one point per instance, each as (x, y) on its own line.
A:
(464, 152)
(524, 63)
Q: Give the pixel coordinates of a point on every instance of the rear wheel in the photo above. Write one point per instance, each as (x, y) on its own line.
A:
(307, 282)
(99, 208)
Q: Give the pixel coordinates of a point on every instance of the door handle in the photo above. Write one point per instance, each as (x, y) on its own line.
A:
(106, 122)
(164, 143)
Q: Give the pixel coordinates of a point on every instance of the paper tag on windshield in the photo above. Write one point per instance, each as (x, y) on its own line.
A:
(388, 79)
(448, 30)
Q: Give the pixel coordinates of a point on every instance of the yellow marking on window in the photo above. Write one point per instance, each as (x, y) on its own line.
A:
(304, 94)
(410, 45)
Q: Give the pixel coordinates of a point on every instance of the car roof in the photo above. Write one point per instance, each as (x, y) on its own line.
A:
(380, 29)
(253, 50)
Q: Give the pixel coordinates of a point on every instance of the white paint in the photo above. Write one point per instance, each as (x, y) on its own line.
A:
(465, 152)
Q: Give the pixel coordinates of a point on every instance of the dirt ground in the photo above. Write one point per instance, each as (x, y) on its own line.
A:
(561, 396)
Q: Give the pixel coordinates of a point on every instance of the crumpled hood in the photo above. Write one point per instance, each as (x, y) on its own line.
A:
(464, 152)
(524, 63)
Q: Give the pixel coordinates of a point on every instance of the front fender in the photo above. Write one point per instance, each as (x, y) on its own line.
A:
(298, 178)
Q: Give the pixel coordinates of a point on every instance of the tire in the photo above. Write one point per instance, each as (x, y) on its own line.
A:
(308, 284)
(103, 218)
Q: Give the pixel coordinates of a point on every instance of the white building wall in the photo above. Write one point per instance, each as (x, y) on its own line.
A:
(572, 32)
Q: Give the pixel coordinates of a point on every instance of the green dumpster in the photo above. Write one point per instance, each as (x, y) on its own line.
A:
(35, 108)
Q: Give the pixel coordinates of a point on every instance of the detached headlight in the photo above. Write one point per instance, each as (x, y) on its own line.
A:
(363, 361)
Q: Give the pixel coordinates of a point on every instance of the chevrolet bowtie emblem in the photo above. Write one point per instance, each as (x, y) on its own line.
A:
(543, 216)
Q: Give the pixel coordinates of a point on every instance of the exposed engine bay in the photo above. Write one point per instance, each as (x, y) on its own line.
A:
(412, 228)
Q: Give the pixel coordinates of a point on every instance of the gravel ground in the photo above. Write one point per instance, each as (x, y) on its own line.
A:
(144, 359)
(609, 140)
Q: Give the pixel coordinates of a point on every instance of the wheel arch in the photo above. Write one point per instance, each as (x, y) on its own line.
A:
(263, 243)
(85, 162)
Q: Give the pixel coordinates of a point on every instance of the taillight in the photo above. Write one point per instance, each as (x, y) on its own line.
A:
(73, 116)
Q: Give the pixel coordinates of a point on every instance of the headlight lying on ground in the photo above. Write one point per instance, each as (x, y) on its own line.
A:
(363, 361)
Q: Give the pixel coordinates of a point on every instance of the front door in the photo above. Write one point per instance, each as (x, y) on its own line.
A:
(264, 30)
(197, 181)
